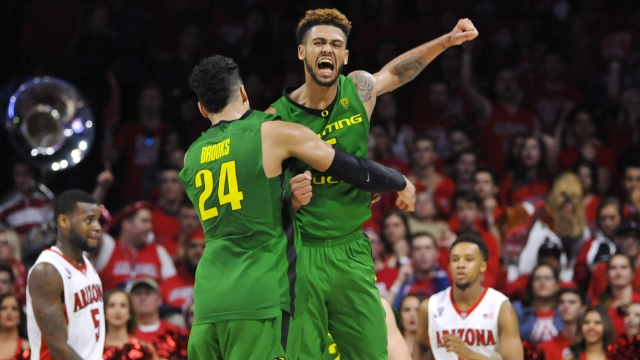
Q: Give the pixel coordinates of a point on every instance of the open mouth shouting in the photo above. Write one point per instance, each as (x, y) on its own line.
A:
(326, 67)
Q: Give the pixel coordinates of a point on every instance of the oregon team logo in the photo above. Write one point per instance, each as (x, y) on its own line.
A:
(345, 103)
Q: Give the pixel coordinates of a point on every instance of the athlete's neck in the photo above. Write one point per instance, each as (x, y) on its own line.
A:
(70, 252)
(116, 336)
(569, 329)
(468, 297)
(233, 111)
(314, 96)
(148, 319)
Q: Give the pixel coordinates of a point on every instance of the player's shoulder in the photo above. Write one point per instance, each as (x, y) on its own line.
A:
(493, 293)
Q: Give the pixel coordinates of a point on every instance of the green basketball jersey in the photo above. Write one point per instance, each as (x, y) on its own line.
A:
(336, 208)
(243, 271)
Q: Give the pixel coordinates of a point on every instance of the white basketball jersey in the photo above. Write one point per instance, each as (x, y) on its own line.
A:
(477, 326)
(83, 307)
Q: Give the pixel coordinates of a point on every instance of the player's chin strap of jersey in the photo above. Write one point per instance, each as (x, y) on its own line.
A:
(365, 174)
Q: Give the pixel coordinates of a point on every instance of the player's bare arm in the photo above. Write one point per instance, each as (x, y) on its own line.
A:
(510, 343)
(282, 140)
(45, 285)
(422, 349)
(396, 346)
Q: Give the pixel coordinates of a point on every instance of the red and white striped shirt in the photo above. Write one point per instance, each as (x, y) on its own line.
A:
(24, 212)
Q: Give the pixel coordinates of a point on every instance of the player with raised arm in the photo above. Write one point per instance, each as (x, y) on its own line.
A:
(245, 290)
(65, 314)
(467, 321)
(338, 109)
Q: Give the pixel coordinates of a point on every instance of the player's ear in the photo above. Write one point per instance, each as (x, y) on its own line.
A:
(483, 267)
(203, 111)
(63, 222)
(301, 52)
(346, 57)
(243, 94)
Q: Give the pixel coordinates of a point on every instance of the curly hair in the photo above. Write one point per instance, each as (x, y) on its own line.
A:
(214, 80)
(316, 17)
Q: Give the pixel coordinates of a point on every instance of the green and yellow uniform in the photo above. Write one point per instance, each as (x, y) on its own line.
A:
(242, 283)
(335, 253)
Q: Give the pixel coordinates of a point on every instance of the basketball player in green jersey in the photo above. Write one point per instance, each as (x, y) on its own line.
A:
(344, 299)
(243, 293)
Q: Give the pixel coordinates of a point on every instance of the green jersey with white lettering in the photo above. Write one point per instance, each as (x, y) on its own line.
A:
(336, 208)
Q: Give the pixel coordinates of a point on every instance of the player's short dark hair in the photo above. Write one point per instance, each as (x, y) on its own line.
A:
(467, 196)
(312, 18)
(215, 80)
(473, 238)
(428, 138)
(68, 201)
(433, 239)
(8, 270)
(490, 171)
(576, 291)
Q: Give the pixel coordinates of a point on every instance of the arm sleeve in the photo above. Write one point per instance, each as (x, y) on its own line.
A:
(365, 174)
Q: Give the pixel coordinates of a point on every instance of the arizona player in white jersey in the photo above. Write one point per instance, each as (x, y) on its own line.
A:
(65, 312)
(467, 321)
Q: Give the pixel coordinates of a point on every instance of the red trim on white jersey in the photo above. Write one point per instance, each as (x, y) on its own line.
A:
(464, 314)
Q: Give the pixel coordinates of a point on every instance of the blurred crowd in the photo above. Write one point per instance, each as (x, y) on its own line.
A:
(528, 135)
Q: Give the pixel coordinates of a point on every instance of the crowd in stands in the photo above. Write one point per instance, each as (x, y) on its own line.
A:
(529, 136)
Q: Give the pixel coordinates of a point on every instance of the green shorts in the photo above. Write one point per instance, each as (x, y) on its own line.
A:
(343, 301)
(264, 339)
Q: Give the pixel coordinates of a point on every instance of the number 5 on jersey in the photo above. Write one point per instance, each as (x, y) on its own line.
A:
(228, 179)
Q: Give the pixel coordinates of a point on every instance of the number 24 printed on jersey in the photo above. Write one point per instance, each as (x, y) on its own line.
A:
(228, 179)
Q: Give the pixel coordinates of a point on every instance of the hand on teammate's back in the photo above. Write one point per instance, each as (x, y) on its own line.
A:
(463, 31)
(407, 197)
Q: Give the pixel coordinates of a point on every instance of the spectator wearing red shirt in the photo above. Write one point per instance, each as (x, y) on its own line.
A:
(467, 209)
(529, 181)
(571, 306)
(601, 246)
(619, 292)
(486, 187)
(499, 121)
(138, 144)
(465, 166)
(132, 256)
(538, 318)
(178, 289)
(588, 147)
(588, 174)
(385, 274)
(146, 302)
(425, 278)
(188, 222)
(436, 116)
(632, 188)
(27, 207)
(164, 215)
(627, 241)
(550, 254)
(425, 177)
(10, 256)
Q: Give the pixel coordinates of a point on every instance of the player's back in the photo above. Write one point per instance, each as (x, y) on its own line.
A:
(337, 208)
(477, 326)
(83, 307)
(241, 213)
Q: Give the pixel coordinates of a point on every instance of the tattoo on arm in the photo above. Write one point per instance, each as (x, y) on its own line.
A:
(408, 69)
(46, 285)
(364, 85)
